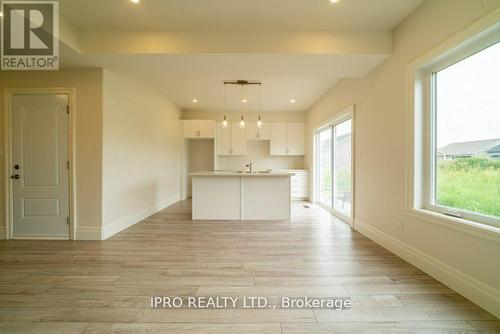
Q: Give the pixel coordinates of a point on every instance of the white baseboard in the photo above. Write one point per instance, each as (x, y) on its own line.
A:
(111, 228)
(478, 292)
(88, 232)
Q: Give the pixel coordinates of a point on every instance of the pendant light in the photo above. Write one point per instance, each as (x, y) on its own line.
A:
(242, 121)
(259, 122)
(241, 83)
(224, 122)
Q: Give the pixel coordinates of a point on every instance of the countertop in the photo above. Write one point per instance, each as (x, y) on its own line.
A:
(229, 173)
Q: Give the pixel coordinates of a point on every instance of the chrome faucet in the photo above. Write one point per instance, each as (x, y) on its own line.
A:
(249, 165)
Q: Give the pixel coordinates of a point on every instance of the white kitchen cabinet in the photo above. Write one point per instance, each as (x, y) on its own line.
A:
(231, 140)
(223, 140)
(299, 183)
(239, 139)
(279, 141)
(256, 133)
(296, 138)
(287, 138)
(199, 129)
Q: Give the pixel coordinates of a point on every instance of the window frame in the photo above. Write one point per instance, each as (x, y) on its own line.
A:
(421, 124)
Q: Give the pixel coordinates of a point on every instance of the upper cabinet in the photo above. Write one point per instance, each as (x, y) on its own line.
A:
(287, 138)
(256, 133)
(231, 140)
(199, 128)
(279, 138)
(296, 138)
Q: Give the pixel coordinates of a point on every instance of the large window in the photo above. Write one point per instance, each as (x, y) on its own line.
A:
(334, 166)
(462, 169)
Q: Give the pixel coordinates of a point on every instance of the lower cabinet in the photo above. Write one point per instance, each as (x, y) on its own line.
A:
(300, 185)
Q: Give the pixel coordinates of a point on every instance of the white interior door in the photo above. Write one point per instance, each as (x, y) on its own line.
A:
(39, 170)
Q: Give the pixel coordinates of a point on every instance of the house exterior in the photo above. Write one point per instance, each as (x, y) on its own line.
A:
(486, 148)
(494, 152)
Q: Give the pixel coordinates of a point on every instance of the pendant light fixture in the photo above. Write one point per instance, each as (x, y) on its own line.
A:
(224, 122)
(259, 122)
(243, 100)
(242, 121)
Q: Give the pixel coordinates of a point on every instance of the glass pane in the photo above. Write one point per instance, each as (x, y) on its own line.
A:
(325, 167)
(342, 168)
(468, 134)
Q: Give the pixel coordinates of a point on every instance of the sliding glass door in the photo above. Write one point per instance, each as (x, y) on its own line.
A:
(342, 167)
(333, 167)
(325, 167)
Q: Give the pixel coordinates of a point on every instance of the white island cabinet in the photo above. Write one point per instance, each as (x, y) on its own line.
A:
(241, 196)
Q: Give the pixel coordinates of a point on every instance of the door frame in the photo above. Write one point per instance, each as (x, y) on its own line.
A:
(345, 114)
(8, 189)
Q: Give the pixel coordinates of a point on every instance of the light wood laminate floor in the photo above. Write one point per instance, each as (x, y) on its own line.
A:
(105, 287)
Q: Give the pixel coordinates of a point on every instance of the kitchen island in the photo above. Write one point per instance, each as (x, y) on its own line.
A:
(241, 195)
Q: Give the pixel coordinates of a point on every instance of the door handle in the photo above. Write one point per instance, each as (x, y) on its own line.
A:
(14, 176)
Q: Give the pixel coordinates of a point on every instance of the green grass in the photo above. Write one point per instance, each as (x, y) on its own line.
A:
(471, 184)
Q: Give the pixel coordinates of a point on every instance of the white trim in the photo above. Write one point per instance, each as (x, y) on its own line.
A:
(8, 93)
(88, 233)
(417, 145)
(483, 231)
(342, 116)
(112, 228)
(482, 294)
(342, 216)
(40, 237)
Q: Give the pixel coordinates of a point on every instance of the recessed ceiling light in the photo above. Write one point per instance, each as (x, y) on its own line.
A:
(195, 100)
(244, 100)
(135, 1)
(292, 101)
(334, 1)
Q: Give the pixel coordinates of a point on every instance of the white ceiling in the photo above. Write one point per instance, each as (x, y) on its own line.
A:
(184, 76)
(346, 15)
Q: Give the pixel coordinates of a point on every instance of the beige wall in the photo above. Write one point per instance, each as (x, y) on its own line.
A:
(140, 152)
(88, 85)
(380, 136)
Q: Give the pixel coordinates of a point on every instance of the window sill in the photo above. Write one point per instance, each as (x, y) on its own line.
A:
(480, 230)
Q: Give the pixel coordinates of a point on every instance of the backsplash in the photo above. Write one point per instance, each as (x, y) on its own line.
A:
(258, 154)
